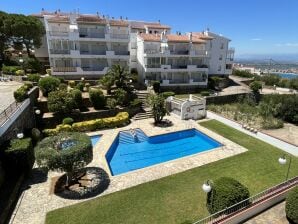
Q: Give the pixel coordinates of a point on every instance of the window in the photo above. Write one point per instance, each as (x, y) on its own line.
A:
(219, 68)
(155, 32)
(220, 57)
(222, 46)
(150, 31)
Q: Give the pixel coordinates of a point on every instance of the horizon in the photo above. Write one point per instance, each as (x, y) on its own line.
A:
(260, 28)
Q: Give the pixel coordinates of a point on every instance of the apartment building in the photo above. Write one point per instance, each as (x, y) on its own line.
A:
(77, 45)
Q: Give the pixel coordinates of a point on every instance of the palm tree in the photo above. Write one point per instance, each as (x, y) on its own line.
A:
(107, 82)
(120, 75)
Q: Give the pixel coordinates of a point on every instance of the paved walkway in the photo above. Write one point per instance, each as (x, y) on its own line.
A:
(274, 215)
(6, 93)
(36, 200)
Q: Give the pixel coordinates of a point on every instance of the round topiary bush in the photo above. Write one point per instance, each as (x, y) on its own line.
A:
(225, 192)
(292, 206)
(77, 97)
(97, 98)
(61, 102)
(66, 152)
(67, 120)
(48, 84)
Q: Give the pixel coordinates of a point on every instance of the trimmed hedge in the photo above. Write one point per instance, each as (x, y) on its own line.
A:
(91, 125)
(20, 155)
(225, 192)
(48, 84)
(22, 92)
(97, 98)
(292, 205)
(34, 77)
(167, 94)
(67, 120)
(11, 70)
(64, 152)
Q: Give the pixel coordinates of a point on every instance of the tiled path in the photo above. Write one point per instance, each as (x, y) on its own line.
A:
(36, 201)
(274, 215)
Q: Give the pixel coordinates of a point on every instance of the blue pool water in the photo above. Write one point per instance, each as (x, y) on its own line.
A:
(95, 139)
(287, 75)
(129, 153)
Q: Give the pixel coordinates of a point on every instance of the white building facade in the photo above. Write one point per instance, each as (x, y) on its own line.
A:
(88, 45)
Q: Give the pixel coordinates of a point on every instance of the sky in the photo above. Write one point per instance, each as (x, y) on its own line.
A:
(256, 27)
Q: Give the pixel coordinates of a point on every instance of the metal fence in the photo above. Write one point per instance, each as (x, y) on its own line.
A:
(6, 114)
(221, 216)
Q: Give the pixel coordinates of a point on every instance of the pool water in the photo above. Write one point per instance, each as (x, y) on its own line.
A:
(287, 75)
(94, 139)
(134, 150)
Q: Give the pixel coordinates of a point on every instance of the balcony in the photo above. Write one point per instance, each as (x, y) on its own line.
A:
(92, 35)
(118, 36)
(93, 52)
(59, 51)
(58, 33)
(119, 52)
(64, 69)
(152, 51)
(93, 68)
(179, 66)
(180, 52)
(178, 81)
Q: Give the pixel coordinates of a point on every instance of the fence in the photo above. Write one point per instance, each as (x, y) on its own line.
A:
(6, 114)
(223, 215)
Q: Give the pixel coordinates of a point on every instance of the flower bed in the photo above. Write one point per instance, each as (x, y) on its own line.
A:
(91, 125)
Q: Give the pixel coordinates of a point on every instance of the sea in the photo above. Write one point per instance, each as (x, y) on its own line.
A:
(287, 75)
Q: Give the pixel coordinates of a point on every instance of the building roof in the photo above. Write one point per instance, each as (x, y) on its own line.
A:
(202, 36)
(156, 25)
(59, 18)
(177, 38)
(150, 37)
(171, 38)
(91, 19)
(115, 22)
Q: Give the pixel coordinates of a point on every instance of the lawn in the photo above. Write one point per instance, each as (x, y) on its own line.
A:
(179, 198)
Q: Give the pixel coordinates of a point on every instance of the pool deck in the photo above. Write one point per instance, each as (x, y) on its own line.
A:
(36, 199)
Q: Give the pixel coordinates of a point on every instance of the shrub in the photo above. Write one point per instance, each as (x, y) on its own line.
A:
(97, 98)
(80, 86)
(167, 94)
(156, 86)
(272, 123)
(48, 84)
(35, 134)
(225, 192)
(21, 94)
(111, 103)
(20, 72)
(63, 86)
(292, 205)
(11, 70)
(2, 177)
(33, 77)
(255, 86)
(244, 74)
(87, 85)
(60, 102)
(136, 103)
(28, 84)
(72, 83)
(121, 96)
(67, 120)
(20, 155)
(33, 64)
(66, 152)
(214, 82)
(77, 98)
(205, 93)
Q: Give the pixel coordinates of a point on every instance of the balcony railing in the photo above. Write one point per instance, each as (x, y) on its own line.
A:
(180, 52)
(178, 81)
(93, 68)
(59, 51)
(153, 66)
(58, 33)
(152, 51)
(98, 52)
(119, 36)
(121, 52)
(179, 66)
(64, 69)
(92, 35)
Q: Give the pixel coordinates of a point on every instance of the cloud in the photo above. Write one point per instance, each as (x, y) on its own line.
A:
(256, 39)
(287, 45)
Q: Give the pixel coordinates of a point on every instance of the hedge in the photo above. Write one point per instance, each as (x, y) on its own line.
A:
(292, 205)
(34, 77)
(21, 93)
(97, 98)
(1, 175)
(48, 84)
(20, 155)
(167, 94)
(11, 70)
(91, 125)
(225, 192)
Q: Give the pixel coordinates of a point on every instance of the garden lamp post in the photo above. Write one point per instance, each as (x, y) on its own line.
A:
(207, 186)
(282, 160)
(21, 60)
(20, 135)
(37, 113)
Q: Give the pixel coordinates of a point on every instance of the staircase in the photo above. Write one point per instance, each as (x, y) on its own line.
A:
(146, 111)
(132, 136)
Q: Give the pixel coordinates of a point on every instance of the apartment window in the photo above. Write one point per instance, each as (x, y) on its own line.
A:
(219, 68)
(155, 32)
(150, 31)
(222, 46)
(220, 57)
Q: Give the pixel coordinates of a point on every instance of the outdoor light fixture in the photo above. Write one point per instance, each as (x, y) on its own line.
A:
(37, 111)
(82, 78)
(282, 160)
(20, 135)
(207, 186)
(21, 60)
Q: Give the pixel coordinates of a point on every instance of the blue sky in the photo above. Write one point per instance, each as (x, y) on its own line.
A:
(255, 26)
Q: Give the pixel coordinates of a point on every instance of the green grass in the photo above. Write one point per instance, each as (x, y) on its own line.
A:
(177, 198)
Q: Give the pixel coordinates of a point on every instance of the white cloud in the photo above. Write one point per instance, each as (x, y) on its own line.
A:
(287, 45)
(256, 39)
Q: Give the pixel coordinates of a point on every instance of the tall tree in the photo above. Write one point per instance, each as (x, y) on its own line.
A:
(4, 34)
(120, 75)
(157, 104)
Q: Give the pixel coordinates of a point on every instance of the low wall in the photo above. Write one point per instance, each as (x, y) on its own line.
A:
(182, 89)
(285, 146)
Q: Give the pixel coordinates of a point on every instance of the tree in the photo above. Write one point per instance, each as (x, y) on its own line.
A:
(225, 192)
(292, 205)
(4, 34)
(61, 102)
(97, 98)
(66, 152)
(157, 104)
(107, 81)
(121, 96)
(120, 75)
(255, 86)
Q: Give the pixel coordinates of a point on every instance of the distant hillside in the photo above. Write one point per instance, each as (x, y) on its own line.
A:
(259, 58)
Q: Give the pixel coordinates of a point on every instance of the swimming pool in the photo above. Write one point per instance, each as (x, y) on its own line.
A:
(132, 151)
(95, 139)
